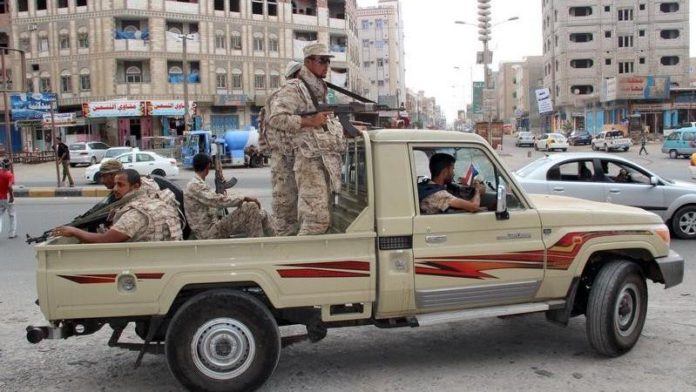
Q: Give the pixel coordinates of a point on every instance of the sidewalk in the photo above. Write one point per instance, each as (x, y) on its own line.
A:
(38, 180)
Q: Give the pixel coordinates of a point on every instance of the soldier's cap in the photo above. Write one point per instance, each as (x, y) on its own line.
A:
(292, 67)
(111, 166)
(316, 50)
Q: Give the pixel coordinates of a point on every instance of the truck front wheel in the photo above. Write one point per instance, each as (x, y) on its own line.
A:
(222, 341)
(616, 308)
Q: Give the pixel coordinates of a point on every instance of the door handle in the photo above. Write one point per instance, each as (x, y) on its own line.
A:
(614, 191)
(558, 189)
(435, 239)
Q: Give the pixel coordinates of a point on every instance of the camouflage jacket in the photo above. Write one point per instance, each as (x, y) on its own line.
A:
(201, 205)
(148, 218)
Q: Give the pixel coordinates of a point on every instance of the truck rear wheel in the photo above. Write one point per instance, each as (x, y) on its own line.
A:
(616, 308)
(222, 340)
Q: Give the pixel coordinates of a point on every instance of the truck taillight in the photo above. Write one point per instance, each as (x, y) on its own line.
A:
(84, 153)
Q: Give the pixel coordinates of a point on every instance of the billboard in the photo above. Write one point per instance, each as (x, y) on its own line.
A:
(477, 96)
(30, 106)
(122, 108)
(544, 101)
(169, 108)
(635, 88)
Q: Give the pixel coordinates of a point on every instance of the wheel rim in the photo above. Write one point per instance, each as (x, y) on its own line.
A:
(627, 309)
(687, 223)
(223, 348)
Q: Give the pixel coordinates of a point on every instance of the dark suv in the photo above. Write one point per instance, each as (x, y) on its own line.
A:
(579, 137)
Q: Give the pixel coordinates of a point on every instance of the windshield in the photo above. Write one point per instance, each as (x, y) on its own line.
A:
(77, 146)
(116, 152)
(532, 166)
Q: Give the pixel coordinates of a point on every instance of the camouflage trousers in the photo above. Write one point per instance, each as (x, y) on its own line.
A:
(284, 203)
(248, 219)
(313, 194)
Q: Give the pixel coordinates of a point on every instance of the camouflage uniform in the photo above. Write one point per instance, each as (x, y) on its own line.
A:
(316, 152)
(201, 205)
(149, 185)
(437, 203)
(147, 218)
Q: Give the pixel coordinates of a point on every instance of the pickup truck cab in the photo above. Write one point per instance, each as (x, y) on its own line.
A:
(611, 140)
(217, 305)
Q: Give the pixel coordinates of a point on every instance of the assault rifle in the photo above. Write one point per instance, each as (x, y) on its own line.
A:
(221, 185)
(90, 220)
(364, 112)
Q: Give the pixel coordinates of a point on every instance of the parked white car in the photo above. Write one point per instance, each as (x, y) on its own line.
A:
(611, 140)
(113, 152)
(524, 139)
(551, 141)
(145, 162)
(608, 178)
(87, 152)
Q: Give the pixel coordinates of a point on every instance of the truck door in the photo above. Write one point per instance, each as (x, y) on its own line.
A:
(466, 259)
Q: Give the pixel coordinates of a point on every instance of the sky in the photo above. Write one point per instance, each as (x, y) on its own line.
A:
(434, 44)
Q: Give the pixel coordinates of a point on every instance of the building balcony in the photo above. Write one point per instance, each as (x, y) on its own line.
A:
(178, 89)
(128, 89)
(335, 23)
(192, 46)
(309, 20)
(134, 45)
(182, 8)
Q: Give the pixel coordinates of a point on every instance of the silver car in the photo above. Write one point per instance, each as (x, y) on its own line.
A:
(87, 152)
(608, 178)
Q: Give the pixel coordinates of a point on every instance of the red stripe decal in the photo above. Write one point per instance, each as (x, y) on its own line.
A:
(90, 279)
(344, 265)
(149, 275)
(318, 273)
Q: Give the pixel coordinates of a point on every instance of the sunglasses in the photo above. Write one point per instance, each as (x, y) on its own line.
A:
(323, 60)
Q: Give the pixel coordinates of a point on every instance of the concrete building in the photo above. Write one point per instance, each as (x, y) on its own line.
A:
(589, 41)
(128, 54)
(506, 92)
(381, 35)
(529, 76)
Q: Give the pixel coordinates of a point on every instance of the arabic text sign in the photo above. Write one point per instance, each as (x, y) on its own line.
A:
(114, 109)
(168, 108)
(635, 87)
(30, 106)
(544, 101)
(59, 119)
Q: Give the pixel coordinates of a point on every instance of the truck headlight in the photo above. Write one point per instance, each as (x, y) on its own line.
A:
(663, 232)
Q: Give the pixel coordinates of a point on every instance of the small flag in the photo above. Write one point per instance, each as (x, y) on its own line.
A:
(468, 178)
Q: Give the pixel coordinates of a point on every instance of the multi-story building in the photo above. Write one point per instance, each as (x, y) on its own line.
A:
(589, 41)
(100, 53)
(529, 76)
(506, 91)
(380, 31)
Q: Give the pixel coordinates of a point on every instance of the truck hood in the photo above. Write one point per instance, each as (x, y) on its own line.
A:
(565, 211)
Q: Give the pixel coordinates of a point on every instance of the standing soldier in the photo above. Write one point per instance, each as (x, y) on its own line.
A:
(316, 141)
(63, 158)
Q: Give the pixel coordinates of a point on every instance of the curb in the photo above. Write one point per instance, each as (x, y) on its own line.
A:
(61, 192)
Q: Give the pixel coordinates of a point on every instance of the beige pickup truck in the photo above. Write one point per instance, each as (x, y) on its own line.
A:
(215, 307)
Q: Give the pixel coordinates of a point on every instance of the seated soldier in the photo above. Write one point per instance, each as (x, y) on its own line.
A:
(109, 168)
(434, 196)
(201, 204)
(143, 218)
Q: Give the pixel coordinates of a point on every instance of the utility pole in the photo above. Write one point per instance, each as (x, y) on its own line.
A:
(22, 85)
(186, 73)
(59, 183)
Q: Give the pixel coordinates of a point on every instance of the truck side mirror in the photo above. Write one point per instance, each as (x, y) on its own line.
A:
(501, 212)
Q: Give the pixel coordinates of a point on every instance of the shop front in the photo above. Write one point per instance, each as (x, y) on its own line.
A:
(131, 123)
(226, 112)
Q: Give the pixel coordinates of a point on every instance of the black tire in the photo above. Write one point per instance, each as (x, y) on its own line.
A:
(97, 178)
(159, 172)
(673, 154)
(683, 222)
(625, 149)
(616, 308)
(92, 161)
(73, 164)
(240, 329)
(606, 148)
(564, 149)
(536, 147)
(594, 147)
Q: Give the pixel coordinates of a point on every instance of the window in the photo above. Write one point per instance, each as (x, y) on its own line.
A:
(366, 64)
(64, 40)
(625, 67)
(365, 24)
(219, 5)
(83, 40)
(275, 80)
(62, 3)
(25, 44)
(580, 37)
(641, 60)
(40, 4)
(43, 44)
(366, 43)
(236, 79)
(607, 34)
(380, 83)
(259, 80)
(641, 33)
(607, 61)
(273, 43)
(220, 41)
(669, 60)
(258, 42)
(30, 84)
(580, 11)
(669, 34)
(142, 157)
(81, 3)
(134, 74)
(45, 84)
(272, 7)
(22, 5)
(612, 169)
(581, 63)
(236, 40)
(257, 7)
(625, 14)
(625, 41)
(669, 7)
(85, 81)
(572, 171)
(65, 82)
(379, 24)
(641, 7)
(234, 5)
(221, 79)
(380, 63)
(607, 8)
(581, 89)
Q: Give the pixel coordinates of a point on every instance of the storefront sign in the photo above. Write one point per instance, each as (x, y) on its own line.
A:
(30, 106)
(114, 109)
(651, 107)
(635, 87)
(59, 119)
(231, 100)
(169, 108)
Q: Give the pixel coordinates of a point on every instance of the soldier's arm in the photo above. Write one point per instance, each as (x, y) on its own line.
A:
(91, 238)
(202, 194)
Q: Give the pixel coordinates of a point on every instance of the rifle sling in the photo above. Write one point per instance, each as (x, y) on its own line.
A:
(315, 101)
(349, 93)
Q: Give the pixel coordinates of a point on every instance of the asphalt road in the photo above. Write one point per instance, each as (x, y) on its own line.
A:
(523, 353)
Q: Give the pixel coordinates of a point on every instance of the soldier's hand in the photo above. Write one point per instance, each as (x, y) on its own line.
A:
(316, 120)
(63, 231)
(252, 200)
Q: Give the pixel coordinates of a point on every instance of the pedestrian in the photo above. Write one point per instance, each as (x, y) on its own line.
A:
(143, 218)
(7, 196)
(276, 143)
(214, 150)
(200, 204)
(63, 158)
(643, 141)
(316, 140)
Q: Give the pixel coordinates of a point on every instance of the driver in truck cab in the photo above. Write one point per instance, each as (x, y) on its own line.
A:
(435, 196)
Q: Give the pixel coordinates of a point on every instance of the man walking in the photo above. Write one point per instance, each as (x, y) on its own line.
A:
(63, 158)
(316, 140)
(7, 196)
(643, 141)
